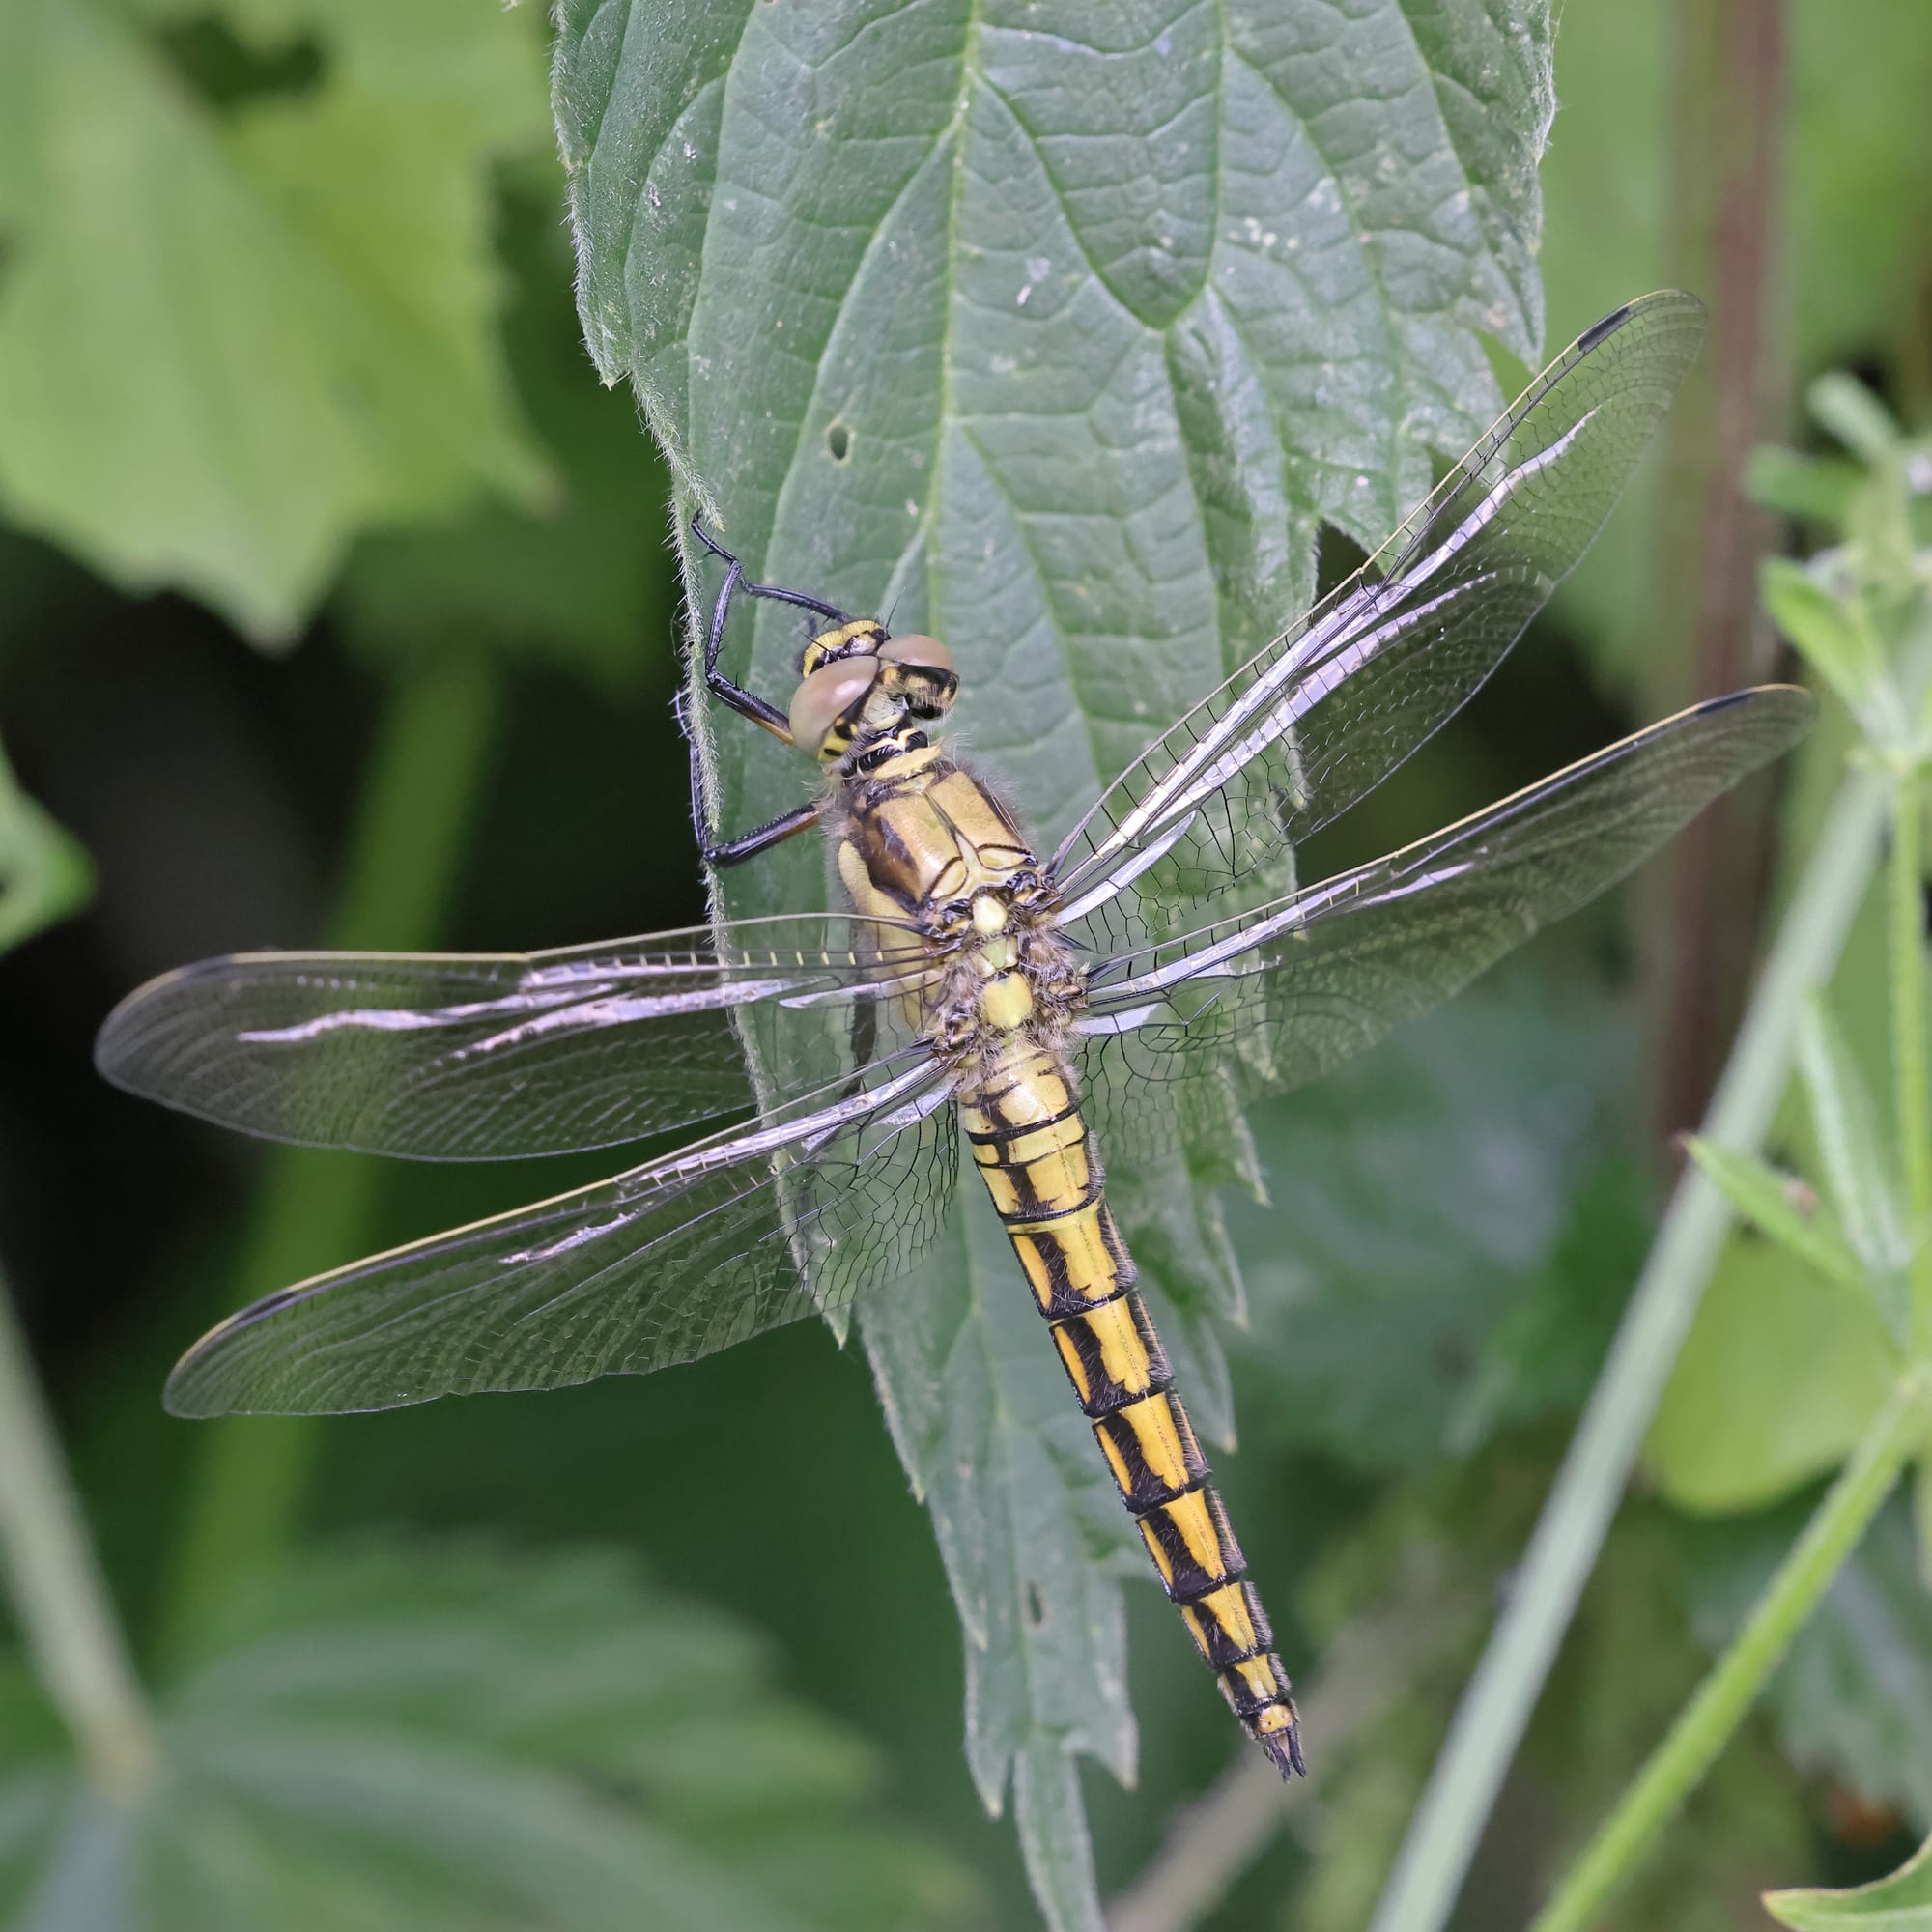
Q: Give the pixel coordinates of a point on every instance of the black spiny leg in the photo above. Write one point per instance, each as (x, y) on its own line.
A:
(722, 852)
(747, 704)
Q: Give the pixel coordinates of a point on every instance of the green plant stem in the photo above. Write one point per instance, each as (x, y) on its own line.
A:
(1912, 1083)
(1489, 1724)
(72, 1631)
(1705, 1724)
(313, 1208)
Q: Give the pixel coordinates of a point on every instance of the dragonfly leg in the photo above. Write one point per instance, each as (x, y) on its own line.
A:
(748, 845)
(747, 703)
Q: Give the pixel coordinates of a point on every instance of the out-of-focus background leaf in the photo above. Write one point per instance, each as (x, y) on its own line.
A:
(288, 354)
(458, 1739)
(45, 872)
(247, 318)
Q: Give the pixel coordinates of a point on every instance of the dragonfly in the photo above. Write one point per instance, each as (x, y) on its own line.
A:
(1124, 993)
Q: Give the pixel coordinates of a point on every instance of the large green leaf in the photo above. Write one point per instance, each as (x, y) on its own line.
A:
(1778, 1378)
(371, 1741)
(1059, 332)
(233, 334)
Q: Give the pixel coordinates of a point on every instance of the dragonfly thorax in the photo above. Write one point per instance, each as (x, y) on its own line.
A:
(868, 697)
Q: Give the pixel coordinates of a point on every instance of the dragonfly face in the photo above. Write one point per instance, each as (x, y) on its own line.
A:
(1127, 992)
(868, 697)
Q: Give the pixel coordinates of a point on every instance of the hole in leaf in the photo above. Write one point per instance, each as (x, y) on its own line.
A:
(1033, 1606)
(839, 441)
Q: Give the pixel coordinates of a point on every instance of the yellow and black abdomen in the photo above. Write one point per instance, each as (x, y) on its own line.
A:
(1032, 1148)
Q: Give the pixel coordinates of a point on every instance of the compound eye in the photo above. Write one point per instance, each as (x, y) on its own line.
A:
(826, 697)
(927, 653)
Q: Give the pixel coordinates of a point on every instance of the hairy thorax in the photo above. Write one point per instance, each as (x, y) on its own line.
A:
(922, 840)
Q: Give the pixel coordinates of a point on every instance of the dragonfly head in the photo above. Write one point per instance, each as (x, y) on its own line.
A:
(866, 696)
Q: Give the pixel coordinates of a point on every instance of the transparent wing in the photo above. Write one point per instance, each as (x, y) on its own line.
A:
(1180, 1034)
(485, 1056)
(1202, 824)
(670, 1261)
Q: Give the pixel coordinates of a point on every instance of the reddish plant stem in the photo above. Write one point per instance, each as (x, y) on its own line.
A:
(1726, 195)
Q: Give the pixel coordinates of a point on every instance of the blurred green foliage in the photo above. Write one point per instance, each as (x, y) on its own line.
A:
(1800, 1331)
(252, 294)
(45, 873)
(453, 1738)
(286, 346)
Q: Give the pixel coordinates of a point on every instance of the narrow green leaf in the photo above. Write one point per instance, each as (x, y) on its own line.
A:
(1814, 489)
(1886, 533)
(45, 872)
(231, 336)
(1828, 634)
(1842, 406)
(1851, 1145)
(1053, 1836)
(1900, 1903)
(1763, 1196)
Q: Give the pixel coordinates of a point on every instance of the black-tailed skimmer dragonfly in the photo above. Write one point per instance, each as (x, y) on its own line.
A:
(1122, 993)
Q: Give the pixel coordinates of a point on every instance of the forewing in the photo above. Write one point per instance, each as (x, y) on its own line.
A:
(1203, 822)
(1180, 1034)
(672, 1261)
(490, 1056)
